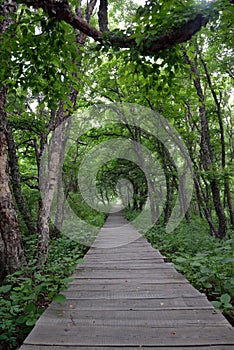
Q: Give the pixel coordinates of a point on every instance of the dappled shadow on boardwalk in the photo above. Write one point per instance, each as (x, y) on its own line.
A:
(125, 296)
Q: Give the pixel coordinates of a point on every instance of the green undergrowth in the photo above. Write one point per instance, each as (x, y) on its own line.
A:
(25, 294)
(207, 262)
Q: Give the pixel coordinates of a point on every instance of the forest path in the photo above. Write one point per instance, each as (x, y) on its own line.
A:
(125, 296)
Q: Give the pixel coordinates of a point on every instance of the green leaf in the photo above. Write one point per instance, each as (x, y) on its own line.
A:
(205, 270)
(180, 259)
(5, 289)
(68, 280)
(60, 298)
(225, 298)
(195, 264)
(80, 261)
(31, 321)
(21, 319)
(139, 41)
(30, 308)
(228, 260)
(216, 304)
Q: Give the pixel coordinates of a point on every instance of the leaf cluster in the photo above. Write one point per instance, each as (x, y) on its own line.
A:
(206, 262)
(26, 293)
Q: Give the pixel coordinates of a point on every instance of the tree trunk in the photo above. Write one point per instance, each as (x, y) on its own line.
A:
(206, 150)
(2, 258)
(229, 202)
(11, 241)
(136, 136)
(16, 182)
(222, 140)
(183, 198)
(48, 180)
(169, 185)
(168, 168)
(103, 16)
(203, 197)
(11, 246)
(62, 193)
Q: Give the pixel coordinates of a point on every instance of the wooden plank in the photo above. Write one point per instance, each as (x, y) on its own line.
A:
(156, 318)
(110, 265)
(124, 250)
(121, 276)
(197, 303)
(130, 246)
(160, 292)
(69, 334)
(124, 286)
(138, 252)
(59, 347)
(121, 259)
(109, 258)
(128, 281)
(125, 264)
(128, 273)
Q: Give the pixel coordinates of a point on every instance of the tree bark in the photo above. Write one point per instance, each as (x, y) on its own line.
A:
(169, 183)
(2, 258)
(61, 193)
(206, 149)
(10, 238)
(49, 170)
(207, 212)
(103, 16)
(16, 182)
(222, 140)
(11, 246)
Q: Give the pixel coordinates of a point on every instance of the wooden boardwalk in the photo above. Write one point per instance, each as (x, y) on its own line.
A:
(128, 297)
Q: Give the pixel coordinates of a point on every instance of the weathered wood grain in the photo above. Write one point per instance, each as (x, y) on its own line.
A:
(162, 291)
(132, 318)
(195, 303)
(69, 334)
(58, 347)
(127, 297)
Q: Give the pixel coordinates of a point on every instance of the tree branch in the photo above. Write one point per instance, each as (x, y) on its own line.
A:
(61, 10)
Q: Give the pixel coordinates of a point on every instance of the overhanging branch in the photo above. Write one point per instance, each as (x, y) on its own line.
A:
(61, 11)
